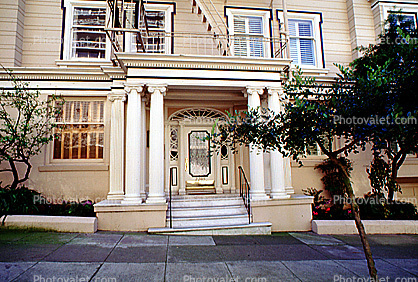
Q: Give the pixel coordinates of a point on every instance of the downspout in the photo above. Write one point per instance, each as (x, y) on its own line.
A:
(286, 29)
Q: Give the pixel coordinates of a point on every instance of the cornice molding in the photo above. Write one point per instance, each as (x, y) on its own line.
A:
(55, 73)
(203, 62)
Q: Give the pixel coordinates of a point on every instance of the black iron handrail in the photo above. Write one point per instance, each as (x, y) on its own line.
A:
(244, 192)
(169, 199)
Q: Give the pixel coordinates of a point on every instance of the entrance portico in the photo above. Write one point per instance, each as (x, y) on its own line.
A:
(159, 124)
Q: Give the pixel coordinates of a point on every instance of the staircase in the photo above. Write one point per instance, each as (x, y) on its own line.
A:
(215, 214)
(214, 23)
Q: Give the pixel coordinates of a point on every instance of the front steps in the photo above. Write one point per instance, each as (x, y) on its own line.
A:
(210, 215)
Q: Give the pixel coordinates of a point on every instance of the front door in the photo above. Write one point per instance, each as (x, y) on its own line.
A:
(199, 169)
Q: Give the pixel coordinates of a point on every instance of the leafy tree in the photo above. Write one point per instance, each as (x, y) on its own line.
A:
(310, 119)
(387, 77)
(26, 125)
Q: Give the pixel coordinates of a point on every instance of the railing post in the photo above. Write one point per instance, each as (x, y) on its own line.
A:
(169, 200)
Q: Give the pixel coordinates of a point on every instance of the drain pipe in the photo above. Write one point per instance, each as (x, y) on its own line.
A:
(286, 28)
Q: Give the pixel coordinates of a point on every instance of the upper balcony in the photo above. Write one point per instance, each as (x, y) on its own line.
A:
(133, 27)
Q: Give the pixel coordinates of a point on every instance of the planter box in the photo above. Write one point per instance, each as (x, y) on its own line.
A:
(55, 223)
(371, 226)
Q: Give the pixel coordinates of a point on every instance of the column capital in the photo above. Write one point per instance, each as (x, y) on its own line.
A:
(116, 96)
(157, 88)
(277, 90)
(139, 88)
(250, 90)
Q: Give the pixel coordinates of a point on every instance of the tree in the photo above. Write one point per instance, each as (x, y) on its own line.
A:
(311, 118)
(26, 125)
(387, 76)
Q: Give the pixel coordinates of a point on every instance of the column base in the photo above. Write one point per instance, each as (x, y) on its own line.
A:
(155, 200)
(131, 200)
(259, 197)
(290, 190)
(219, 190)
(279, 195)
(115, 196)
(182, 191)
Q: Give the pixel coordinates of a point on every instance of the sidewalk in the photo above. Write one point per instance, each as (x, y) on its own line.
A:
(107, 256)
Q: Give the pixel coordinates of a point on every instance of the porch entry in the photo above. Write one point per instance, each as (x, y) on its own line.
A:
(192, 167)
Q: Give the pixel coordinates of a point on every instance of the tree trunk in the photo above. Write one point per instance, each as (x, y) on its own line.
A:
(360, 227)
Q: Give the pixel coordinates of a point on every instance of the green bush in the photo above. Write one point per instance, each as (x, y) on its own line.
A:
(17, 201)
(333, 179)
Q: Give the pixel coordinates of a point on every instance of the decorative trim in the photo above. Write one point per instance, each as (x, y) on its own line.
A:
(138, 88)
(114, 97)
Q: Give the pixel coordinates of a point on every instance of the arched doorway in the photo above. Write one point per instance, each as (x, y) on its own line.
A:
(190, 167)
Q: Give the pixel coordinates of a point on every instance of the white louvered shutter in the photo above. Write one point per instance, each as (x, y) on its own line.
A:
(255, 27)
(240, 42)
(302, 49)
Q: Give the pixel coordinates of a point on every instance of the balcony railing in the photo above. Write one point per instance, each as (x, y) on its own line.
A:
(132, 40)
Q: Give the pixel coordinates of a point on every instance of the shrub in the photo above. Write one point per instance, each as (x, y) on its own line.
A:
(16, 201)
(333, 179)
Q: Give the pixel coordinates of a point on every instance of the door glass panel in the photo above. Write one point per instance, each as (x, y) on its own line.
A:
(199, 158)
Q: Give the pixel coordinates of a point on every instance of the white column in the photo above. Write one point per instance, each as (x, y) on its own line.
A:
(288, 176)
(278, 190)
(256, 156)
(143, 148)
(116, 162)
(156, 146)
(133, 147)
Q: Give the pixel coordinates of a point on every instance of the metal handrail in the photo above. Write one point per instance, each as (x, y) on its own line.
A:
(244, 192)
(169, 200)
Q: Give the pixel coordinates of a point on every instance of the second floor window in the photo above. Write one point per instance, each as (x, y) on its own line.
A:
(250, 32)
(248, 36)
(302, 47)
(88, 38)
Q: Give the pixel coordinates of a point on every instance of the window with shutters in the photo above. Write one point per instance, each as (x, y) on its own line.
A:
(301, 41)
(249, 30)
(80, 131)
(304, 38)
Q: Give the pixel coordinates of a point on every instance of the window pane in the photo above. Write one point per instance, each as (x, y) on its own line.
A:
(81, 135)
(255, 25)
(307, 52)
(305, 28)
(88, 38)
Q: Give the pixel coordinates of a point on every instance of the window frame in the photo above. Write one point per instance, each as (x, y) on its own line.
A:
(382, 11)
(266, 16)
(169, 10)
(316, 19)
(70, 6)
(87, 161)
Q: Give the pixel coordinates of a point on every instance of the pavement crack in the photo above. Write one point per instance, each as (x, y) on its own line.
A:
(101, 264)
(166, 259)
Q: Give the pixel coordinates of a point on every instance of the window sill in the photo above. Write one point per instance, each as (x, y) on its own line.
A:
(311, 70)
(74, 167)
(83, 62)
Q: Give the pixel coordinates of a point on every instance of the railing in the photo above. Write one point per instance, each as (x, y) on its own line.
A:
(202, 44)
(169, 199)
(244, 192)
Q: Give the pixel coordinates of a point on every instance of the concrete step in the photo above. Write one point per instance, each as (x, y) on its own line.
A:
(259, 228)
(207, 211)
(204, 203)
(205, 221)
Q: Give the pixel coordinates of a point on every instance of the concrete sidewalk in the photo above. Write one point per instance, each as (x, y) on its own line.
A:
(107, 256)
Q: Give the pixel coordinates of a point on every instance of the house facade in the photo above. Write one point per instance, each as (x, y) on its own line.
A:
(144, 82)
